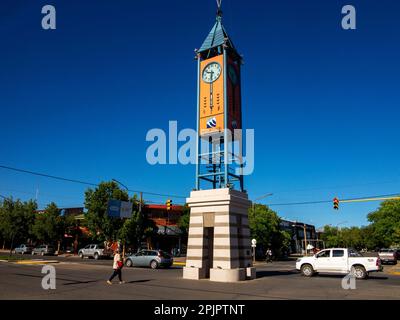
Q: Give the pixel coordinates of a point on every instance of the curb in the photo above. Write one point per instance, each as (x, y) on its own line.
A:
(179, 264)
(36, 261)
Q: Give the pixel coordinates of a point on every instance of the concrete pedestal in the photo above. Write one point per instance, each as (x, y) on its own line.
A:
(219, 244)
(228, 275)
(194, 273)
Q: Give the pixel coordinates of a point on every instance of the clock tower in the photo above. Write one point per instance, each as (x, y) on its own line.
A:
(219, 246)
(219, 109)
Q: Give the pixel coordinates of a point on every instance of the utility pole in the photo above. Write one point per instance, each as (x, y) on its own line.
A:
(127, 191)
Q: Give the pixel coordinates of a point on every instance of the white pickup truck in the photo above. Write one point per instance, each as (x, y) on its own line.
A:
(339, 260)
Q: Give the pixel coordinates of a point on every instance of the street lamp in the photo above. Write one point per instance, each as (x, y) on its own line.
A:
(259, 198)
(120, 183)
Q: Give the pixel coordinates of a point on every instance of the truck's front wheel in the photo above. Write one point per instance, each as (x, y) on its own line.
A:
(307, 270)
(359, 272)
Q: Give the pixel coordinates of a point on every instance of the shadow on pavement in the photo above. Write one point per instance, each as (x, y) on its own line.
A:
(273, 273)
(70, 281)
(139, 281)
(78, 282)
(340, 276)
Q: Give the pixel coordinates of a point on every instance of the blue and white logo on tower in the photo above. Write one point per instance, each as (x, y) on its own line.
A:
(211, 123)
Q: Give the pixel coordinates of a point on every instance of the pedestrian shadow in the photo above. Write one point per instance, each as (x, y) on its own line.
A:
(77, 282)
(139, 281)
(274, 273)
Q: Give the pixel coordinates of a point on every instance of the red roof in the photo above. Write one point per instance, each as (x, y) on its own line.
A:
(164, 207)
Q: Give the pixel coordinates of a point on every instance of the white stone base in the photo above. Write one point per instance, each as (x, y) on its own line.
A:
(194, 273)
(227, 275)
(250, 273)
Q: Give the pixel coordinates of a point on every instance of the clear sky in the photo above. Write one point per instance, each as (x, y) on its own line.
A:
(78, 101)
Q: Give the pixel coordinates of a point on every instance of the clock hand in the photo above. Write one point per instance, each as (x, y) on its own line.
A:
(211, 91)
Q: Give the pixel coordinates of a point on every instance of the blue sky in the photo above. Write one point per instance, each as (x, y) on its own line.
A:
(78, 101)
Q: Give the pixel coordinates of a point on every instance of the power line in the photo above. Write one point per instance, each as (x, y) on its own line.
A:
(83, 182)
(329, 201)
(338, 187)
(48, 176)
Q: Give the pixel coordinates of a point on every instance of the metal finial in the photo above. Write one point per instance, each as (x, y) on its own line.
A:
(219, 11)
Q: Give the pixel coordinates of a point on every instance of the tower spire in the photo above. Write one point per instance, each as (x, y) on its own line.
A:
(219, 11)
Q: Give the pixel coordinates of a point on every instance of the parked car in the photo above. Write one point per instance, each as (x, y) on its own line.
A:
(339, 260)
(149, 258)
(23, 249)
(388, 256)
(398, 253)
(44, 250)
(96, 251)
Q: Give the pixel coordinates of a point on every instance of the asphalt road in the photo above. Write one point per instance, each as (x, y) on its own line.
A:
(86, 279)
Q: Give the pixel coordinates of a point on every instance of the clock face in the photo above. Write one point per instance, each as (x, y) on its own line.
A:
(211, 72)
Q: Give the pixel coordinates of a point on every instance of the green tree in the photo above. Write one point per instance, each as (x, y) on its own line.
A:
(386, 223)
(16, 220)
(331, 236)
(264, 226)
(146, 228)
(369, 237)
(128, 232)
(351, 238)
(184, 220)
(50, 226)
(100, 225)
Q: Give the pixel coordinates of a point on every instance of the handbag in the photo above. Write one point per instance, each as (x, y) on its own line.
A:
(120, 264)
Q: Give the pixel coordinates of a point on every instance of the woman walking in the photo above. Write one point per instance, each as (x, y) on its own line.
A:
(117, 267)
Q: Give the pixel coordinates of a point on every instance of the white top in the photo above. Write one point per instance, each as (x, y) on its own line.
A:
(117, 258)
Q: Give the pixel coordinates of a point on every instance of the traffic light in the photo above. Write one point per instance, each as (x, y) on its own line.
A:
(336, 204)
(169, 204)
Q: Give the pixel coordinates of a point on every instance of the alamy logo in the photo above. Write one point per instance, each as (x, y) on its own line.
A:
(49, 280)
(49, 20)
(180, 147)
(211, 123)
(349, 282)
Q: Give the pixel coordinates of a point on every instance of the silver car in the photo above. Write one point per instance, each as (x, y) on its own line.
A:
(23, 249)
(43, 250)
(149, 258)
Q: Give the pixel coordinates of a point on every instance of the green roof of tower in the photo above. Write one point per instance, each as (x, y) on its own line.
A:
(217, 37)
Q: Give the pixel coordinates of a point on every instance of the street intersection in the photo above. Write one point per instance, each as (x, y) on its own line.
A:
(86, 279)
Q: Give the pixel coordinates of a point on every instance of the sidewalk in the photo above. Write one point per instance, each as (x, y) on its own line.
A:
(395, 270)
